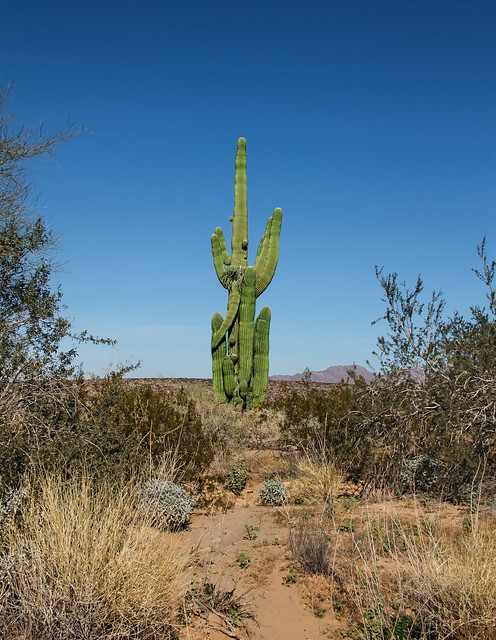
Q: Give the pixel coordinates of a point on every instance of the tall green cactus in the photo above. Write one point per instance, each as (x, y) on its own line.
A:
(240, 345)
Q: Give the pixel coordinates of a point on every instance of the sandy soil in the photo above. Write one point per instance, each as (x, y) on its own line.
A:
(217, 543)
(246, 549)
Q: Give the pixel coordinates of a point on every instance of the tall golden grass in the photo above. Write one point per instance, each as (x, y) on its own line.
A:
(316, 481)
(83, 565)
(453, 582)
(419, 581)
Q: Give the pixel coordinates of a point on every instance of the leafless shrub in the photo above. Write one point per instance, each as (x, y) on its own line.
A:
(311, 547)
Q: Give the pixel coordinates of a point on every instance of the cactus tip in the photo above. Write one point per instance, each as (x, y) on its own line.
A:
(241, 142)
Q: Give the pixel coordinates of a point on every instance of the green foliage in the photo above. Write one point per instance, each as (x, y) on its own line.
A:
(168, 503)
(432, 408)
(428, 418)
(422, 473)
(243, 561)
(111, 429)
(240, 345)
(348, 526)
(315, 415)
(37, 345)
(273, 493)
(250, 532)
(291, 577)
(134, 426)
(237, 478)
(379, 626)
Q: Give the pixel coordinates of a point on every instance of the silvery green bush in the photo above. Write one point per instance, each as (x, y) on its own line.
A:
(10, 504)
(273, 493)
(422, 472)
(169, 504)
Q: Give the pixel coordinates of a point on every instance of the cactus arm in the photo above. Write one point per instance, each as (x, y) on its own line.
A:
(218, 355)
(226, 258)
(217, 256)
(239, 240)
(261, 356)
(232, 310)
(246, 330)
(270, 265)
(228, 377)
(263, 248)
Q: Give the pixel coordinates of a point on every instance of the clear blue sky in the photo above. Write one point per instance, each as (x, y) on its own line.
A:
(372, 124)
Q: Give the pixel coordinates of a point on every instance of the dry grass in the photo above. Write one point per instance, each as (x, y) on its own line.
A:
(316, 482)
(311, 547)
(83, 566)
(453, 582)
(414, 580)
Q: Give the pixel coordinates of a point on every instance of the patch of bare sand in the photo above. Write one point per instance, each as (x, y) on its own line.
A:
(246, 549)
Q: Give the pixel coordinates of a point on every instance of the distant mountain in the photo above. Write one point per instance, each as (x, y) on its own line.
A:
(332, 375)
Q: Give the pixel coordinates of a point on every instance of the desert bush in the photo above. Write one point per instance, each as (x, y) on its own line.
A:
(38, 373)
(33, 435)
(422, 473)
(273, 493)
(168, 504)
(311, 547)
(112, 429)
(430, 413)
(84, 564)
(435, 397)
(237, 478)
(316, 481)
(135, 426)
(314, 414)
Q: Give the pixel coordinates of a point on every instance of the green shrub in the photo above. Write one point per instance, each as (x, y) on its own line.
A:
(428, 418)
(169, 504)
(237, 478)
(273, 493)
(422, 473)
(313, 414)
(111, 429)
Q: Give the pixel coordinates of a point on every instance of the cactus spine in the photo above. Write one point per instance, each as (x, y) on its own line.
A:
(240, 345)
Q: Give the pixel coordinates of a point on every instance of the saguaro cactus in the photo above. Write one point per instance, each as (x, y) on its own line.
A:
(240, 345)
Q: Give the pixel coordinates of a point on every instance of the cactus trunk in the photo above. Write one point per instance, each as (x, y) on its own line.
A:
(240, 347)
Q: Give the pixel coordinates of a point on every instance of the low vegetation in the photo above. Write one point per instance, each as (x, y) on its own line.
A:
(80, 562)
